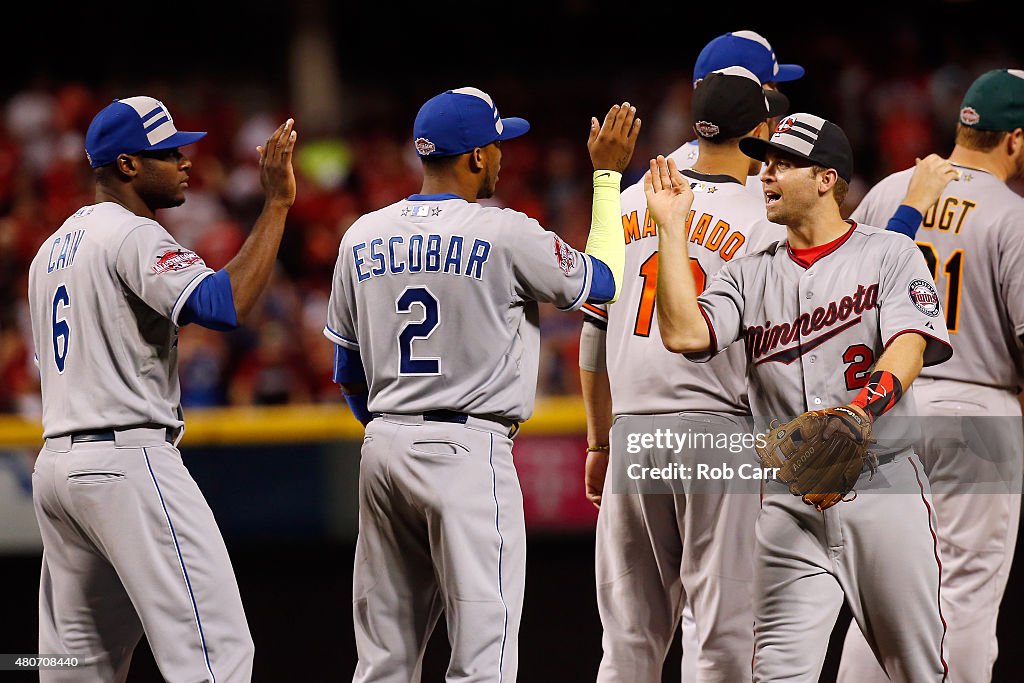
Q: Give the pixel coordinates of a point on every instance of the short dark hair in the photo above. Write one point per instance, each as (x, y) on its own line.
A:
(440, 163)
(841, 189)
(978, 140)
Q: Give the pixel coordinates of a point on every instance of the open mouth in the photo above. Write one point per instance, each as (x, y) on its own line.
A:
(771, 197)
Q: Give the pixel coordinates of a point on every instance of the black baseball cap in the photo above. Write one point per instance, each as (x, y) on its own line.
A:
(729, 102)
(807, 137)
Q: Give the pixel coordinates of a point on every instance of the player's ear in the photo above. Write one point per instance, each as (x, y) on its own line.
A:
(827, 180)
(762, 130)
(127, 164)
(477, 162)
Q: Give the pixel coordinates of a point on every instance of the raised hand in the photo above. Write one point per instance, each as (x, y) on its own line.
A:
(930, 178)
(611, 144)
(668, 193)
(276, 174)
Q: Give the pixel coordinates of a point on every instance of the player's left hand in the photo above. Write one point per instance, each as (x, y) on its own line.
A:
(668, 193)
(594, 476)
(611, 144)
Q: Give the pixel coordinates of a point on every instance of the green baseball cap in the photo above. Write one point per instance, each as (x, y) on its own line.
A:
(995, 101)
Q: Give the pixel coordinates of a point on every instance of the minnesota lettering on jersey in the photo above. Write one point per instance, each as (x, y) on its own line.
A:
(761, 340)
(431, 253)
(714, 235)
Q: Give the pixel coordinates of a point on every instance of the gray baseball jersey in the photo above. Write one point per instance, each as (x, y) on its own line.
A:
(973, 244)
(130, 541)
(105, 292)
(461, 281)
(813, 332)
(725, 222)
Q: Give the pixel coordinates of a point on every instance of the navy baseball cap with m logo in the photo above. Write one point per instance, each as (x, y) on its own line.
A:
(134, 124)
(458, 121)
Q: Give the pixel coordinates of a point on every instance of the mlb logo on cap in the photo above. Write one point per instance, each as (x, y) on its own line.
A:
(458, 121)
(134, 124)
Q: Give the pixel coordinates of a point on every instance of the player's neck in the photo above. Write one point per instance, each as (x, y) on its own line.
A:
(722, 160)
(816, 229)
(983, 161)
(450, 185)
(128, 200)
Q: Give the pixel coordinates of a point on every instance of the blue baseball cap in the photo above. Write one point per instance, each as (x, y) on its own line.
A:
(746, 49)
(134, 124)
(457, 121)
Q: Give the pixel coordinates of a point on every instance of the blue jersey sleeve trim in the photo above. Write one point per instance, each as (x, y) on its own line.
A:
(340, 340)
(905, 221)
(211, 304)
(348, 366)
(602, 288)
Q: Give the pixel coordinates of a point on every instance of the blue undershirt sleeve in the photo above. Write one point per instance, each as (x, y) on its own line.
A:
(212, 304)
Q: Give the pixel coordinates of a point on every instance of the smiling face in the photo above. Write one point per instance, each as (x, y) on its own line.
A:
(791, 187)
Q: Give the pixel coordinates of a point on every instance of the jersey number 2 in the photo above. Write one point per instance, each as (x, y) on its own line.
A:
(61, 329)
(420, 329)
(649, 272)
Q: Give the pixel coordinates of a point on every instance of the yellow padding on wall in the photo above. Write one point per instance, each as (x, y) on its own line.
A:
(291, 424)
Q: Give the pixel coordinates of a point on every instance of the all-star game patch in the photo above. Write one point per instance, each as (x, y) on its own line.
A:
(565, 255)
(924, 296)
(178, 259)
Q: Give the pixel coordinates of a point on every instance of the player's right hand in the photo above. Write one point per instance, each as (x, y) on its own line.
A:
(611, 144)
(931, 175)
(668, 193)
(594, 476)
(276, 174)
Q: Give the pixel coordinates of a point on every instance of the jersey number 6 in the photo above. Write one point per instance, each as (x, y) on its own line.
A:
(649, 272)
(61, 329)
(420, 329)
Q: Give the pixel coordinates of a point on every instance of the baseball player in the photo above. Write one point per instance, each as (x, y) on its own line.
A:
(971, 241)
(434, 311)
(752, 51)
(130, 545)
(839, 313)
(660, 550)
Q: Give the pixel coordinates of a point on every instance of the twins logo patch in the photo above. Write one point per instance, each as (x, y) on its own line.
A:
(172, 261)
(565, 255)
(924, 296)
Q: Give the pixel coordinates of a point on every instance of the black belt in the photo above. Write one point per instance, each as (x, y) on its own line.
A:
(108, 435)
(439, 416)
(456, 417)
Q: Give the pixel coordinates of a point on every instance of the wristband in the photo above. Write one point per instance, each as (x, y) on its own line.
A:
(594, 449)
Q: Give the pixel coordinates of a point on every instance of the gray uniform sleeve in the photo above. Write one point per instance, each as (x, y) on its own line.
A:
(547, 269)
(722, 307)
(1010, 270)
(909, 302)
(158, 270)
(341, 317)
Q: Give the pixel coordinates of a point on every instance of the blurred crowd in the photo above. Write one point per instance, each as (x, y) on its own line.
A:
(281, 355)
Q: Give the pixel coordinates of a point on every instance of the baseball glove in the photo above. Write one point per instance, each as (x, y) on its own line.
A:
(821, 453)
